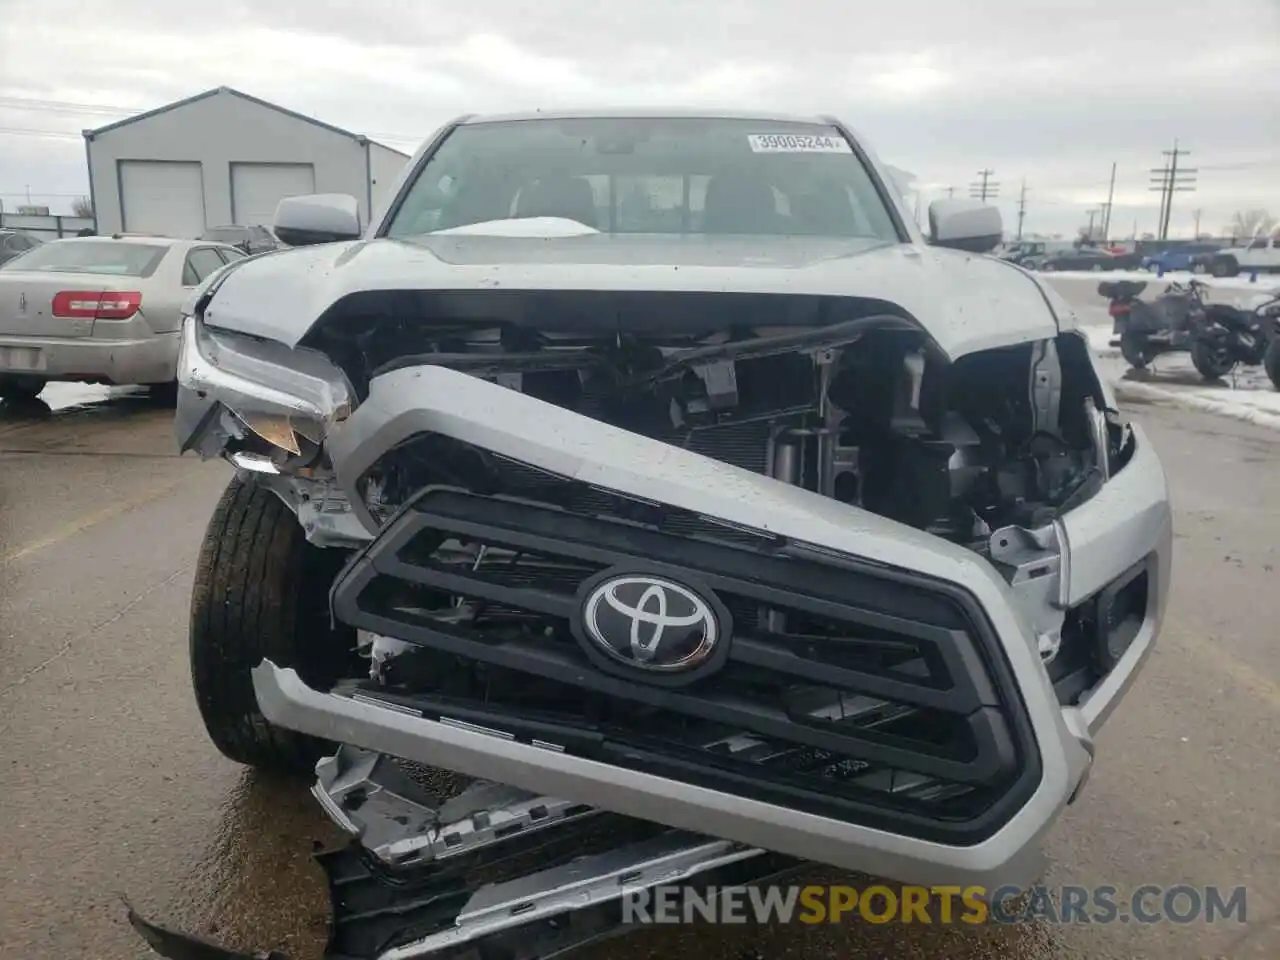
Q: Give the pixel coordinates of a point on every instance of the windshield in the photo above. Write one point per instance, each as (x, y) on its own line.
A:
(664, 176)
(91, 256)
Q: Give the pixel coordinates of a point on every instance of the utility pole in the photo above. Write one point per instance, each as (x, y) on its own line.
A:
(1106, 216)
(1196, 213)
(1170, 180)
(1022, 207)
(1089, 234)
(984, 188)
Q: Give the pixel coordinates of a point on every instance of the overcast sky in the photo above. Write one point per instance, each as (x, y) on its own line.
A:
(1052, 91)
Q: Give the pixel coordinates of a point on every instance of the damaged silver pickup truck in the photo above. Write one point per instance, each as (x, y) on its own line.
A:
(658, 478)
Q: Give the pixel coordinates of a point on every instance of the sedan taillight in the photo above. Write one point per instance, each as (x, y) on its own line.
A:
(96, 304)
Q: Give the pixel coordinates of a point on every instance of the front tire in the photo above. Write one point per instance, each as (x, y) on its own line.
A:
(1210, 363)
(1224, 267)
(1133, 347)
(261, 591)
(1271, 361)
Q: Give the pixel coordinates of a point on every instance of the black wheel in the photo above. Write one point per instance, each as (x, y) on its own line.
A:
(1271, 361)
(20, 388)
(261, 591)
(1211, 362)
(1133, 347)
(1224, 267)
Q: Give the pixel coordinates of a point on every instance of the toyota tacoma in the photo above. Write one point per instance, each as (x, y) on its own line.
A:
(658, 479)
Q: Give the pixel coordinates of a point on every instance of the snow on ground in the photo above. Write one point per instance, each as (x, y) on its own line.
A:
(1263, 281)
(60, 396)
(1259, 404)
(1080, 287)
(1171, 380)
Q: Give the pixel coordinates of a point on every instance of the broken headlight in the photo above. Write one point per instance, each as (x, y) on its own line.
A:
(287, 398)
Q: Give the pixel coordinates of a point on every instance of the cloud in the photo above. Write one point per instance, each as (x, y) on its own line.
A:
(1053, 91)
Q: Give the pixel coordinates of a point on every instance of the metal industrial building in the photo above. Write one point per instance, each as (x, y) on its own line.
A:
(223, 157)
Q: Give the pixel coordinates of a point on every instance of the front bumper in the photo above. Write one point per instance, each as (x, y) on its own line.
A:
(1126, 524)
(134, 359)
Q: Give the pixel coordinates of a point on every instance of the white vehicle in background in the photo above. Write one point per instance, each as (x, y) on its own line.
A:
(1261, 254)
(99, 310)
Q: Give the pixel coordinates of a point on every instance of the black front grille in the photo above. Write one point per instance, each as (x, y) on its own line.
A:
(862, 694)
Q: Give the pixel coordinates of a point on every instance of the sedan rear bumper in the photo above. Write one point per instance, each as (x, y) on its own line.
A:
(152, 358)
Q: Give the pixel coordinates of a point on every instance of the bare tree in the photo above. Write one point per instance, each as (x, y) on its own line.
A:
(1249, 223)
(81, 207)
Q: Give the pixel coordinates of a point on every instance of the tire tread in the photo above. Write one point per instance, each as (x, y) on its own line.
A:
(245, 598)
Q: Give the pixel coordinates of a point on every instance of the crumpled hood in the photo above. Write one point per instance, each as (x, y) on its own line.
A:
(966, 302)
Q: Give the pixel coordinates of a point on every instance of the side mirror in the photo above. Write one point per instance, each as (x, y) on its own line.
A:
(964, 225)
(317, 218)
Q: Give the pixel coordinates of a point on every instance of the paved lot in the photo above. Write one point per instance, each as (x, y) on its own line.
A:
(109, 789)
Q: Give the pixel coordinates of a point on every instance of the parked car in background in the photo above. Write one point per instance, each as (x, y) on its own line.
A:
(1082, 258)
(255, 239)
(1261, 254)
(1021, 251)
(14, 242)
(1177, 258)
(99, 310)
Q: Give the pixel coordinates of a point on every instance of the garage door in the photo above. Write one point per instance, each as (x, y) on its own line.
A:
(256, 188)
(162, 197)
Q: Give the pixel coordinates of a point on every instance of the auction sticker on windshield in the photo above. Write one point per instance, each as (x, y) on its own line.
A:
(797, 143)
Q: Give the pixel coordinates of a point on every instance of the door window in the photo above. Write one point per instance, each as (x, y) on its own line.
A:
(201, 263)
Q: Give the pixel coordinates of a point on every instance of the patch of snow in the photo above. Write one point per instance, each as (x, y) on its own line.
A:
(59, 396)
(1264, 282)
(1251, 406)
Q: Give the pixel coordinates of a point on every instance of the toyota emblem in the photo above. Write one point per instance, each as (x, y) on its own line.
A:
(651, 623)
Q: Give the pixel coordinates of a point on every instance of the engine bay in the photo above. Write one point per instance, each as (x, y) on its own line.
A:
(863, 409)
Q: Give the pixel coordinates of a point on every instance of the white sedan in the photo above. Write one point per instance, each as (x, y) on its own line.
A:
(99, 310)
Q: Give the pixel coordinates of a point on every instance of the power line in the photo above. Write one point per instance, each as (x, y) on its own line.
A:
(69, 108)
(984, 188)
(1089, 230)
(47, 134)
(63, 106)
(1022, 207)
(1106, 215)
(1170, 180)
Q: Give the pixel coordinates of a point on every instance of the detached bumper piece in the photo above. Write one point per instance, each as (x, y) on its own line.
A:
(531, 897)
(380, 914)
(848, 691)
